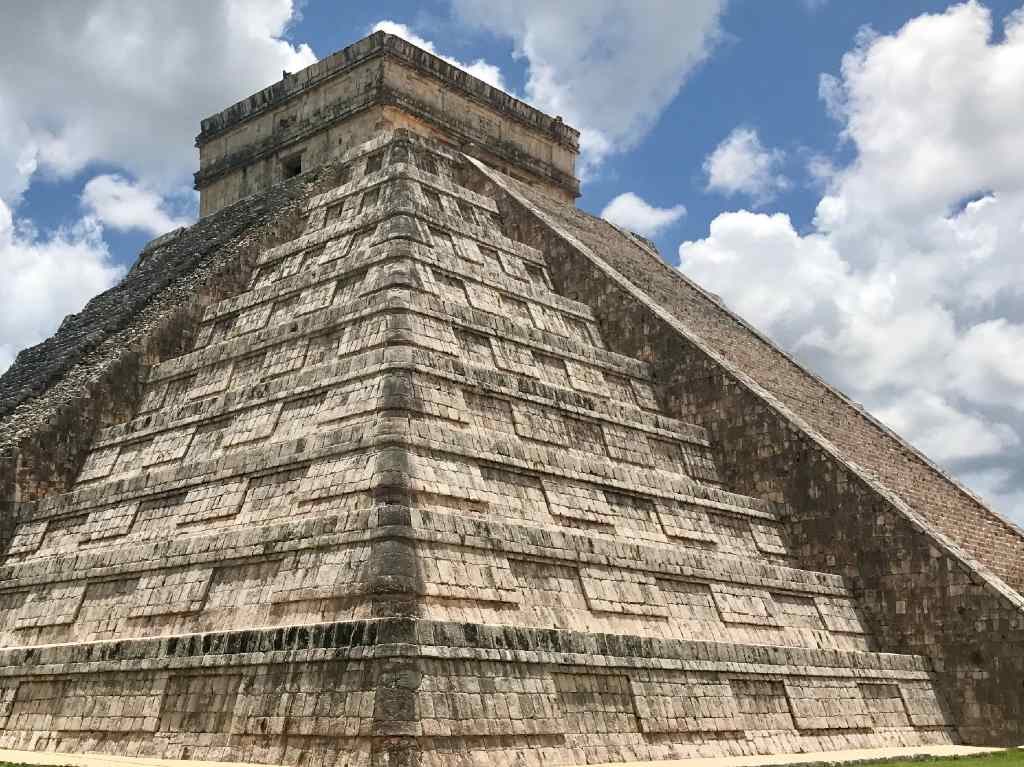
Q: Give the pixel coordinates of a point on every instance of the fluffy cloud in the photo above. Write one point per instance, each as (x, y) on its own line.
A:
(134, 78)
(907, 289)
(636, 214)
(122, 85)
(480, 69)
(578, 53)
(741, 164)
(120, 204)
(46, 278)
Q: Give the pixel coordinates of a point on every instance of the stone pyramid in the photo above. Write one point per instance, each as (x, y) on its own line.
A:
(398, 458)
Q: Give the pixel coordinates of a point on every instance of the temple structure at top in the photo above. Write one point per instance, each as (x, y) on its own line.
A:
(377, 84)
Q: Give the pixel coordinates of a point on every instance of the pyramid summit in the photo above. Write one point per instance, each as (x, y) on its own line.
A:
(398, 458)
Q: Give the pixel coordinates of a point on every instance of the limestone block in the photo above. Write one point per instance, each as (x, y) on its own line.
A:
(626, 444)
(169, 593)
(212, 379)
(463, 699)
(272, 497)
(762, 705)
(207, 441)
(168, 446)
(745, 604)
(484, 298)
(689, 601)
(110, 521)
(434, 334)
(284, 310)
(827, 704)
(686, 521)
(517, 311)
(321, 574)
(215, 331)
(247, 371)
(27, 537)
(768, 537)
(634, 516)
(256, 423)
(442, 399)
(619, 388)
(797, 611)
(316, 297)
(513, 265)
(839, 614)
(199, 703)
(514, 358)
(552, 370)
(99, 463)
(543, 425)
(923, 705)
(644, 395)
(622, 591)
(95, 705)
(490, 413)
(213, 501)
(251, 320)
(586, 378)
(885, 705)
(669, 704)
(467, 574)
(581, 331)
(597, 703)
(284, 358)
(578, 500)
(514, 495)
(55, 605)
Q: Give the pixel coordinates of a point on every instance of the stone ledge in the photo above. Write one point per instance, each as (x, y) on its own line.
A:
(819, 758)
(402, 637)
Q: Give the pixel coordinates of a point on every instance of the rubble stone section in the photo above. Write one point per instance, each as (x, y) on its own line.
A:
(401, 503)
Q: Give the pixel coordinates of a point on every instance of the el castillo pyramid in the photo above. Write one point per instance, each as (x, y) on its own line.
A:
(397, 458)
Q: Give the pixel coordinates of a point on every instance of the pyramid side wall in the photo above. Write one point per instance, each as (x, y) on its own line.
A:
(922, 593)
(863, 441)
(90, 372)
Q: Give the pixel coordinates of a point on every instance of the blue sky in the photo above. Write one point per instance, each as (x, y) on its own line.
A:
(846, 175)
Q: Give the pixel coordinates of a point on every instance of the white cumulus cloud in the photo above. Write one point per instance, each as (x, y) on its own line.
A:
(120, 204)
(907, 290)
(608, 68)
(632, 212)
(741, 164)
(46, 278)
(126, 83)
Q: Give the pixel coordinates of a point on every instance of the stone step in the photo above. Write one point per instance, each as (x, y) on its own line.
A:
(393, 301)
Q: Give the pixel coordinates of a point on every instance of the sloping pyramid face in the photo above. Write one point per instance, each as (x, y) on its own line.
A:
(401, 505)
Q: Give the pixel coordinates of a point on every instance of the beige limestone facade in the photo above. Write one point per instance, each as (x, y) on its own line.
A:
(403, 460)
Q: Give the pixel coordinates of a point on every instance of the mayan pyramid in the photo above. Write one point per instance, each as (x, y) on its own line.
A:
(397, 458)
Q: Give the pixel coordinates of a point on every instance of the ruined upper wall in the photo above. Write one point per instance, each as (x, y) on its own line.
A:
(381, 82)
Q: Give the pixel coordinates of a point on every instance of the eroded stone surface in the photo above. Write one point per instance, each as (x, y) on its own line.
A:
(431, 482)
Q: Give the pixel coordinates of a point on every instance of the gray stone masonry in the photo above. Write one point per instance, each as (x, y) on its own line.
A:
(404, 462)
(398, 502)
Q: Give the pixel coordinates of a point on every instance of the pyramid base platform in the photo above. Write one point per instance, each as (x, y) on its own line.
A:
(416, 692)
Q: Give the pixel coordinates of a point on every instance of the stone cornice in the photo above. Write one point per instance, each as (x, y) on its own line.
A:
(381, 44)
(380, 95)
